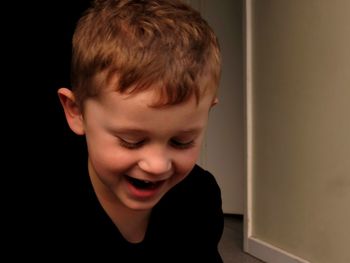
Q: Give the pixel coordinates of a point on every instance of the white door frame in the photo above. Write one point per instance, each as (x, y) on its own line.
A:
(252, 244)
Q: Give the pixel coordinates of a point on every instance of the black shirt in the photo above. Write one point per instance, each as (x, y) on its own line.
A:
(185, 226)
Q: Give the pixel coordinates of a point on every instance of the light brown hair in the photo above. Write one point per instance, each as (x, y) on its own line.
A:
(142, 43)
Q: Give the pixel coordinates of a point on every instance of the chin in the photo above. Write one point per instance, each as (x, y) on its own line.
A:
(141, 206)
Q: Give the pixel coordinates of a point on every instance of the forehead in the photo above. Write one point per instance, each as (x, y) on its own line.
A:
(115, 101)
(115, 110)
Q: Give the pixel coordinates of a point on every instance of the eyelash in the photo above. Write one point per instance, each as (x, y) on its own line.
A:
(180, 145)
(130, 145)
(174, 143)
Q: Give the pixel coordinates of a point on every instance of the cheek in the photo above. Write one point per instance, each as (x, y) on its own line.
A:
(111, 159)
(185, 161)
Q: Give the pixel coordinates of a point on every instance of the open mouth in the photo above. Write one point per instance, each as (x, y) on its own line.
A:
(143, 184)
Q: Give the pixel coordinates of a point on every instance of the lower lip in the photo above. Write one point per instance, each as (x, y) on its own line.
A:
(143, 193)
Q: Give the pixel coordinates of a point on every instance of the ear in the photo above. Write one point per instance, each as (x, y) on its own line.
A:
(72, 111)
(215, 101)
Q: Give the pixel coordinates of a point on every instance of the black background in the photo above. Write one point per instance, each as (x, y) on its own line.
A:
(39, 152)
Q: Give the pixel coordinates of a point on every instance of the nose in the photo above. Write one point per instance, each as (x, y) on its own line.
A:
(155, 164)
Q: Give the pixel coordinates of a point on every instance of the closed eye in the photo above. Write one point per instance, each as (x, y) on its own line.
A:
(130, 145)
(182, 145)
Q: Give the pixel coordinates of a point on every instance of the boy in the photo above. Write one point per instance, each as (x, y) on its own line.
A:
(144, 77)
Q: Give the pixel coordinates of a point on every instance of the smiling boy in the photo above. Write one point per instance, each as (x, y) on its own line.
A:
(144, 78)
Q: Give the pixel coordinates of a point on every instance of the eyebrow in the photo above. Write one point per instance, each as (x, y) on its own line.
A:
(193, 130)
(128, 131)
(136, 131)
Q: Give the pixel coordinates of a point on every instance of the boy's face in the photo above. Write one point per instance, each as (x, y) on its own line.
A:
(138, 153)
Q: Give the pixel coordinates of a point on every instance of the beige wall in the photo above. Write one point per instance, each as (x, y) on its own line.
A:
(301, 127)
(225, 144)
(223, 148)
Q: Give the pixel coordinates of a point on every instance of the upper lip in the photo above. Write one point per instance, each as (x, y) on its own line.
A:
(148, 180)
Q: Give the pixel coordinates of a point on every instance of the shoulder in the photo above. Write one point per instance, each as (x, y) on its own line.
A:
(204, 176)
(193, 210)
(198, 193)
(200, 182)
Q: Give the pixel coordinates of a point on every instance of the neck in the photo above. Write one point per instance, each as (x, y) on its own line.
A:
(132, 224)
